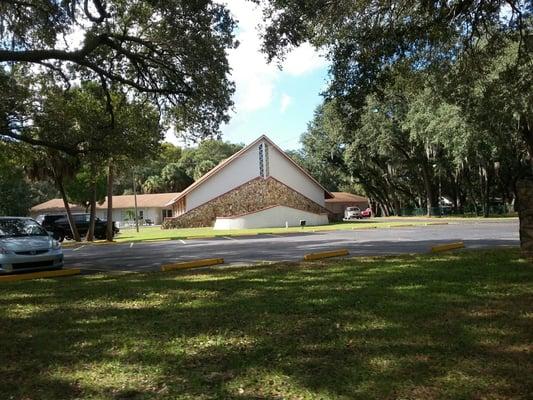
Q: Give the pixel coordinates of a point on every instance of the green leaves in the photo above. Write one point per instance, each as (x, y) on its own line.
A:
(171, 52)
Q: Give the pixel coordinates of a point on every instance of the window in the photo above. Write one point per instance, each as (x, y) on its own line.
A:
(81, 218)
(261, 163)
(167, 214)
(267, 164)
(141, 214)
(17, 227)
(180, 207)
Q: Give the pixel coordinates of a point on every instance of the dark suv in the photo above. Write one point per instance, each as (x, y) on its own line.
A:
(58, 225)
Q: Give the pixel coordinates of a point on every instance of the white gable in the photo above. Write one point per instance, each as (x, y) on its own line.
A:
(239, 171)
(260, 159)
(286, 172)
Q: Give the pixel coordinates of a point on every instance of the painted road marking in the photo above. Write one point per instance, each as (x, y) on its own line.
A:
(78, 248)
(183, 241)
(131, 245)
(229, 238)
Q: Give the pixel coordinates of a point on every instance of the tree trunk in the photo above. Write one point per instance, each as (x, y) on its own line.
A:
(524, 195)
(397, 208)
(92, 219)
(71, 222)
(109, 232)
(430, 193)
(484, 183)
(524, 199)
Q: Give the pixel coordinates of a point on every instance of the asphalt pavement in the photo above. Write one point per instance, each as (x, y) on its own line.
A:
(246, 250)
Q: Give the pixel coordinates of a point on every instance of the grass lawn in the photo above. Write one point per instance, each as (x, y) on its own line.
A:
(156, 233)
(454, 326)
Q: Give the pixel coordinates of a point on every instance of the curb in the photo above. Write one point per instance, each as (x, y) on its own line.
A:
(446, 247)
(436, 223)
(191, 264)
(38, 275)
(326, 254)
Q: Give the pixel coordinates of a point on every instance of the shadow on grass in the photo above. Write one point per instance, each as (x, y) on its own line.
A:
(447, 326)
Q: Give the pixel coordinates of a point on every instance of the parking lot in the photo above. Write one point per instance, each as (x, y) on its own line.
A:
(149, 256)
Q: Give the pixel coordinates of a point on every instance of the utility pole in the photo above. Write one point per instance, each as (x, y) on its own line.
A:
(135, 200)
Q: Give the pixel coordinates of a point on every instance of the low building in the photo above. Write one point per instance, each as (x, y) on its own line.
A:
(340, 200)
(151, 208)
(259, 186)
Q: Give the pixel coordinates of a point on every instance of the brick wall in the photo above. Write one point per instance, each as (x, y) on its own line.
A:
(254, 195)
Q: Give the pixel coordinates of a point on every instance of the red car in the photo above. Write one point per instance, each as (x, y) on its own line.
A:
(366, 213)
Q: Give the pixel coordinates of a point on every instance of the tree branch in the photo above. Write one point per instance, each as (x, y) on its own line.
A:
(38, 142)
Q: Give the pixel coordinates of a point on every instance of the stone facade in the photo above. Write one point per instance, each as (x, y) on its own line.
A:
(254, 195)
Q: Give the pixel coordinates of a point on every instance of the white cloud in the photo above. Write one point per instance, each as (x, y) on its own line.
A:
(254, 78)
(302, 60)
(257, 82)
(286, 101)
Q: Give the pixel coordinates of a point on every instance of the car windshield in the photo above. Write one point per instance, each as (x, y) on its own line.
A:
(20, 227)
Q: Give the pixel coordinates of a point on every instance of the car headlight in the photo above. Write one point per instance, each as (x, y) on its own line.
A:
(56, 245)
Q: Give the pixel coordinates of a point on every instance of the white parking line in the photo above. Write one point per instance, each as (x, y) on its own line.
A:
(78, 248)
(183, 241)
(229, 238)
(131, 245)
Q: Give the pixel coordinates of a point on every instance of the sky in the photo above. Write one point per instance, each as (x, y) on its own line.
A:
(278, 103)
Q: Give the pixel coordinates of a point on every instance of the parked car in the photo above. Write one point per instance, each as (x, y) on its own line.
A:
(59, 226)
(366, 213)
(26, 246)
(352, 213)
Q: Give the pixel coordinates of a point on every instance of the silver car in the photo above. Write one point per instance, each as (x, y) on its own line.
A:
(26, 246)
(352, 213)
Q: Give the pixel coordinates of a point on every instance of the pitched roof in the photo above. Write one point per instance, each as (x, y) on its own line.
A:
(124, 201)
(228, 160)
(345, 197)
(143, 200)
(55, 204)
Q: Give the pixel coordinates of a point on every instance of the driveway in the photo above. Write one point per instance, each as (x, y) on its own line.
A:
(149, 256)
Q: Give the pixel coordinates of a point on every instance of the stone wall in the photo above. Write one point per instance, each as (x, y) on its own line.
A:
(254, 195)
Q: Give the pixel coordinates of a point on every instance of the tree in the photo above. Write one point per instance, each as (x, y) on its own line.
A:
(80, 188)
(457, 45)
(59, 168)
(175, 177)
(209, 153)
(79, 118)
(16, 193)
(87, 188)
(158, 49)
(131, 134)
(153, 184)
